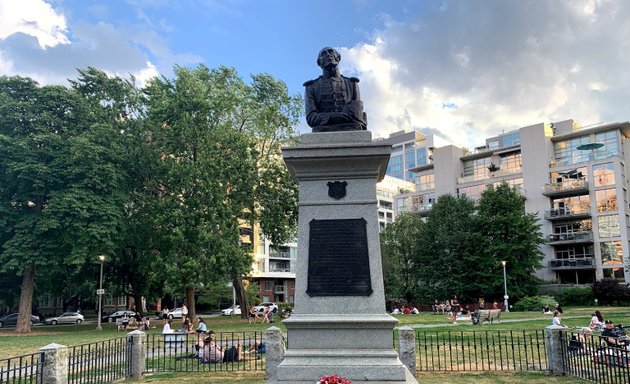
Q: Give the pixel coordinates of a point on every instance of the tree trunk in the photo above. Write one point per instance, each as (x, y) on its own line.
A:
(241, 296)
(26, 300)
(190, 298)
(137, 302)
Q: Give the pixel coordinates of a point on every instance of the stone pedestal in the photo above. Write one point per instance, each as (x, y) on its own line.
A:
(339, 324)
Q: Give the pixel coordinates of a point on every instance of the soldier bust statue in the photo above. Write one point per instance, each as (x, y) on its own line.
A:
(332, 101)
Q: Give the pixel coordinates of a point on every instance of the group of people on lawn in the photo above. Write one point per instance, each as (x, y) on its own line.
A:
(614, 336)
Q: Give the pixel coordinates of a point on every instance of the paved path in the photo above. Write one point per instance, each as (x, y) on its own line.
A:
(468, 322)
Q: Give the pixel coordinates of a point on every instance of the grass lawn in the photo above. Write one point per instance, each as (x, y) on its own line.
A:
(15, 345)
(424, 378)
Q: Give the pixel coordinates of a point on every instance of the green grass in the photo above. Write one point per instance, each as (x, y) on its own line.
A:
(424, 378)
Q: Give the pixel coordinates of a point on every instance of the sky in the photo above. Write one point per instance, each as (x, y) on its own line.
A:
(463, 70)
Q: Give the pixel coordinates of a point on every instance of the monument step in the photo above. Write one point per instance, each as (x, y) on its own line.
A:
(409, 379)
(343, 321)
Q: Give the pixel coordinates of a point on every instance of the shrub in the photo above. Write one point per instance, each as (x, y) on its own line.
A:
(576, 296)
(534, 303)
(610, 291)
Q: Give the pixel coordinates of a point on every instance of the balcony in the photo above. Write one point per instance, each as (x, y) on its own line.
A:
(566, 188)
(279, 255)
(571, 238)
(585, 263)
(566, 214)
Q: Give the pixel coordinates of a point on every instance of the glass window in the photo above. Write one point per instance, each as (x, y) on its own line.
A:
(609, 226)
(612, 253)
(477, 168)
(268, 285)
(566, 151)
(571, 205)
(425, 182)
(614, 273)
(606, 200)
(604, 174)
(421, 156)
(570, 252)
(493, 144)
(473, 192)
(122, 301)
(511, 139)
(510, 161)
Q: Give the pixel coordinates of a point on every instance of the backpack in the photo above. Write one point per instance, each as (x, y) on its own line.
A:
(231, 354)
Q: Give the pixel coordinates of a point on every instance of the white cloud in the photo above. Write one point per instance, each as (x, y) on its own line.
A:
(146, 74)
(34, 18)
(503, 65)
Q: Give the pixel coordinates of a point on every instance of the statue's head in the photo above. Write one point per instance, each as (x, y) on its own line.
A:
(328, 55)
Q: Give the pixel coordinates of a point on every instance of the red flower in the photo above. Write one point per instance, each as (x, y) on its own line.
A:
(334, 379)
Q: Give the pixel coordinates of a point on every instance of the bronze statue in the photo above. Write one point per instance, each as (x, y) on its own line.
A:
(332, 101)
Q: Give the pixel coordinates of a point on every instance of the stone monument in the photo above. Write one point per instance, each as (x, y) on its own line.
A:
(339, 324)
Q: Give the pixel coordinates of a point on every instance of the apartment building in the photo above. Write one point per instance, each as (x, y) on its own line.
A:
(572, 177)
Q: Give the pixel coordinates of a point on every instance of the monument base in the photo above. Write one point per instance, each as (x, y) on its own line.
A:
(409, 379)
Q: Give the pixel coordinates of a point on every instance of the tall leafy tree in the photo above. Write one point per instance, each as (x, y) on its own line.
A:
(506, 232)
(61, 176)
(399, 247)
(446, 258)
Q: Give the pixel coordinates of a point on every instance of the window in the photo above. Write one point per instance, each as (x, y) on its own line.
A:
(571, 205)
(571, 252)
(614, 273)
(612, 252)
(473, 192)
(510, 161)
(425, 182)
(493, 144)
(268, 286)
(122, 301)
(421, 156)
(606, 200)
(510, 139)
(609, 226)
(604, 174)
(477, 168)
(566, 151)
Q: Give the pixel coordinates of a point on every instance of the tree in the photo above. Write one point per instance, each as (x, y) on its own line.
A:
(506, 232)
(445, 259)
(61, 199)
(399, 247)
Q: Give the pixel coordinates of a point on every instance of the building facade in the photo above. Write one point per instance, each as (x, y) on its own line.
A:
(572, 177)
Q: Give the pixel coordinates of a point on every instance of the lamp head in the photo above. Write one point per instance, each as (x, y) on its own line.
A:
(503, 263)
(101, 257)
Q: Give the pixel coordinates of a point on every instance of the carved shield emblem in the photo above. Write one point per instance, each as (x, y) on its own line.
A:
(337, 189)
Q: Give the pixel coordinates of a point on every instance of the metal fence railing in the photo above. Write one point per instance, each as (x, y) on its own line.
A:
(594, 358)
(481, 351)
(239, 351)
(22, 369)
(100, 362)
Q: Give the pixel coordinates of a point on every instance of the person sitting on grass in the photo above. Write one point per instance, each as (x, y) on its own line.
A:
(167, 327)
(208, 352)
(556, 319)
(201, 326)
(615, 336)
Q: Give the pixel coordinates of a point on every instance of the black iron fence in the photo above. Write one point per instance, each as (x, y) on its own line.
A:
(100, 362)
(595, 358)
(22, 369)
(480, 351)
(223, 351)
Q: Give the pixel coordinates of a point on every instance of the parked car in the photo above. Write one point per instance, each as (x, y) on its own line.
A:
(175, 313)
(261, 307)
(228, 311)
(11, 320)
(65, 318)
(117, 315)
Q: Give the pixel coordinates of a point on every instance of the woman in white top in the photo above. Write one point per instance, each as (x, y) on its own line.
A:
(556, 319)
(167, 327)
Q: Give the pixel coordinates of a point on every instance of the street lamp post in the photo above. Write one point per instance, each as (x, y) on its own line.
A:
(100, 294)
(505, 295)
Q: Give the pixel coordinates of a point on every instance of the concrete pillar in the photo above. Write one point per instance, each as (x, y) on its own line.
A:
(407, 348)
(275, 351)
(54, 369)
(555, 362)
(136, 370)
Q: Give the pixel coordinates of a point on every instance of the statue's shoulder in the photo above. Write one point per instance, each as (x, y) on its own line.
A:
(307, 83)
(353, 79)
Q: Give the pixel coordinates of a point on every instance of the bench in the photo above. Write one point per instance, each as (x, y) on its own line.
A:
(488, 315)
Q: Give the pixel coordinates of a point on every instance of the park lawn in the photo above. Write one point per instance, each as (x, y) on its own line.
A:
(423, 377)
(15, 345)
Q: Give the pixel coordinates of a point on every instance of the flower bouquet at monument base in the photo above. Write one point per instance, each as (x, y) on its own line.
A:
(334, 379)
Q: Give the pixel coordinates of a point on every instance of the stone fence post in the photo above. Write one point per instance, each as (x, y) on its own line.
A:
(407, 348)
(555, 363)
(54, 369)
(275, 351)
(137, 358)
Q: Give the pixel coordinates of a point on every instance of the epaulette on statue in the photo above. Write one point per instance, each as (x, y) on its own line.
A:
(353, 79)
(306, 84)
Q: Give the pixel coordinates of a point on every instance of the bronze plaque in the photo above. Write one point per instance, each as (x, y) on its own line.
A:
(338, 261)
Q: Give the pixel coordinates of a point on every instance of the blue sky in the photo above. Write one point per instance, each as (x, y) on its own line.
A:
(461, 69)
